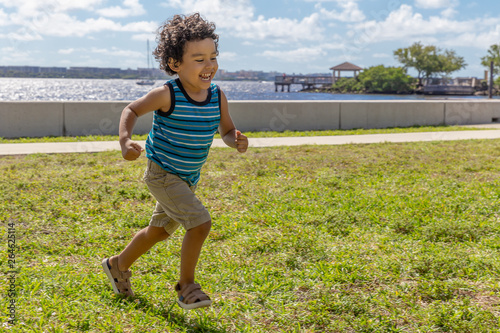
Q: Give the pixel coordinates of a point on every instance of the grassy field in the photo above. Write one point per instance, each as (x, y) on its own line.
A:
(259, 134)
(356, 238)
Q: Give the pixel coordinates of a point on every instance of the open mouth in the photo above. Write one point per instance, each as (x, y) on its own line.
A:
(206, 77)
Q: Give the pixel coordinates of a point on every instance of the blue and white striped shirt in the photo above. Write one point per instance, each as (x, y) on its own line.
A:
(180, 138)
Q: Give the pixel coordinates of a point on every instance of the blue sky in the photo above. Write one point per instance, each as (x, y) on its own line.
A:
(292, 36)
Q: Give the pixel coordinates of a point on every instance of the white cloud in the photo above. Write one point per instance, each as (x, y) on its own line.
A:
(130, 8)
(64, 25)
(14, 56)
(74, 27)
(225, 13)
(382, 55)
(142, 26)
(404, 24)
(33, 9)
(115, 52)
(4, 18)
(144, 37)
(350, 12)
(449, 12)
(281, 30)
(434, 4)
(236, 17)
(112, 52)
(338, 59)
(33, 19)
(481, 40)
(337, 1)
(21, 35)
(227, 56)
(66, 51)
(305, 54)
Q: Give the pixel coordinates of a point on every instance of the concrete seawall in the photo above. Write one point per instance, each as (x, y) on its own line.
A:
(38, 119)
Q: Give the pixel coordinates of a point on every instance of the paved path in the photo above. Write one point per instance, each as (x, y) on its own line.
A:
(88, 147)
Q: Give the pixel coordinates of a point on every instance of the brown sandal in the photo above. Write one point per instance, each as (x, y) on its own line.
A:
(192, 297)
(120, 281)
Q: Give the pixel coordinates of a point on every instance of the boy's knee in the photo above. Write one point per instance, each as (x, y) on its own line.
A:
(157, 233)
(203, 228)
(207, 225)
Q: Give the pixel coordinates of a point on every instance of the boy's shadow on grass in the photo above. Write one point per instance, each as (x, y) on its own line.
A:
(180, 320)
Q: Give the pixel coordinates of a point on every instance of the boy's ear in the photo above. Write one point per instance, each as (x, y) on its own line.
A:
(174, 65)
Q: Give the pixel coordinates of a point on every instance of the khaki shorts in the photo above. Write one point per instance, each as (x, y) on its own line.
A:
(176, 202)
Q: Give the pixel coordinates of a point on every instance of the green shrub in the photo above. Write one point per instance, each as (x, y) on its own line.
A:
(346, 85)
(497, 82)
(381, 79)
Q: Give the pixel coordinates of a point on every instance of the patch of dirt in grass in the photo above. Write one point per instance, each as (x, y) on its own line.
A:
(488, 302)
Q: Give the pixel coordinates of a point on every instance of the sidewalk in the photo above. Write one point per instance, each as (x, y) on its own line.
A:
(99, 146)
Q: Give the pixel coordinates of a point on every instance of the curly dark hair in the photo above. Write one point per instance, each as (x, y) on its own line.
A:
(174, 33)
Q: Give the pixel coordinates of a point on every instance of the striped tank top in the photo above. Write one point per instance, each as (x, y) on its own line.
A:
(180, 138)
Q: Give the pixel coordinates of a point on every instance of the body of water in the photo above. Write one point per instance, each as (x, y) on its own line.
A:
(28, 89)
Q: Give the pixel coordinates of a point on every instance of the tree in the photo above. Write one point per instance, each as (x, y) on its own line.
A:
(381, 79)
(429, 60)
(449, 62)
(493, 55)
(417, 56)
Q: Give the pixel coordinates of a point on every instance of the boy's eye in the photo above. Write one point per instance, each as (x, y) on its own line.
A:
(202, 60)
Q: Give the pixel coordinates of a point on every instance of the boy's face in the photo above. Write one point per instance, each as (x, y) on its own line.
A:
(198, 66)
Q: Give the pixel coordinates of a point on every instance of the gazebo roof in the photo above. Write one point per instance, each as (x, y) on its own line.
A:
(346, 66)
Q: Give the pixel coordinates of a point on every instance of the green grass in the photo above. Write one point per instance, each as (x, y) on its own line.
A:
(258, 134)
(355, 238)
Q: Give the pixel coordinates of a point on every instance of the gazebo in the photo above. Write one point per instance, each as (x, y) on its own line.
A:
(345, 67)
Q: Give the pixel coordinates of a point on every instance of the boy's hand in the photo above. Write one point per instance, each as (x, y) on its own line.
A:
(131, 150)
(241, 142)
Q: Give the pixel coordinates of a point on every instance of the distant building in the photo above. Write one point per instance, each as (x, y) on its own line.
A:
(95, 70)
(245, 75)
(154, 72)
(53, 69)
(21, 69)
(79, 72)
(111, 72)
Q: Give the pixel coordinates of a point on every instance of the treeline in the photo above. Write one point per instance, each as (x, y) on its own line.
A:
(80, 75)
(429, 61)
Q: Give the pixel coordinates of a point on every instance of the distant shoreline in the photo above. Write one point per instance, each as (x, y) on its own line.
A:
(111, 78)
(331, 91)
(69, 76)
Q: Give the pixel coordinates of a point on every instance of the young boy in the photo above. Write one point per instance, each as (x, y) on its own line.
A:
(187, 113)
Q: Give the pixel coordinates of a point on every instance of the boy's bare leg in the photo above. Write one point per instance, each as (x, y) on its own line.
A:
(190, 252)
(140, 244)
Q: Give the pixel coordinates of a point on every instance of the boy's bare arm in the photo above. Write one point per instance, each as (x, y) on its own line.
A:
(158, 98)
(230, 135)
(236, 139)
(130, 150)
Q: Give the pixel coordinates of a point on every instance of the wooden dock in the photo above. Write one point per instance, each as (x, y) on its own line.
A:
(307, 82)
